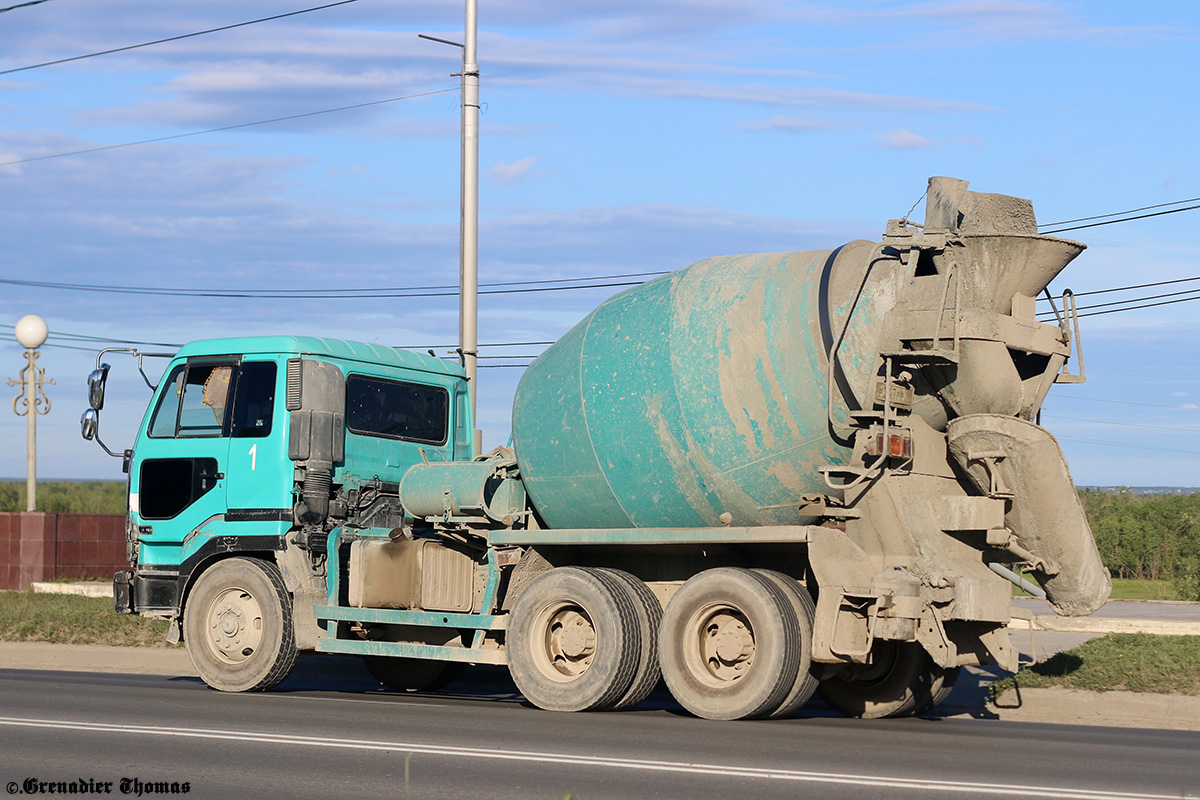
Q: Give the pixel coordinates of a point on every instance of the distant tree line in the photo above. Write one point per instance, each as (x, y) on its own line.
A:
(67, 497)
(1140, 536)
(1148, 537)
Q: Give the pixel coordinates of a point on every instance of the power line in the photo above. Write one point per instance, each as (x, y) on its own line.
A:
(1129, 288)
(601, 282)
(80, 338)
(1127, 446)
(1119, 213)
(174, 38)
(323, 293)
(1194, 292)
(489, 344)
(23, 5)
(1059, 396)
(1135, 308)
(1123, 219)
(1122, 424)
(224, 128)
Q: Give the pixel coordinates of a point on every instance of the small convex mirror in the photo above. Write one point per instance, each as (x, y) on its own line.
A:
(95, 383)
(89, 423)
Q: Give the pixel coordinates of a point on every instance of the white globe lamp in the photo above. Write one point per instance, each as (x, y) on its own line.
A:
(32, 331)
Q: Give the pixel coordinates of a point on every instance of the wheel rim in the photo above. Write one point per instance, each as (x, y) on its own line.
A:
(568, 642)
(723, 645)
(235, 626)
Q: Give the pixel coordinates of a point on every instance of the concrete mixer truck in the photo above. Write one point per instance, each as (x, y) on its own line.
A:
(760, 477)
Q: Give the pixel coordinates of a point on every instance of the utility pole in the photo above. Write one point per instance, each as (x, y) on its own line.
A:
(468, 255)
(31, 333)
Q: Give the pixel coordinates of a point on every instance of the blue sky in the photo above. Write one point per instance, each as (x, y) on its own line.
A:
(617, 137)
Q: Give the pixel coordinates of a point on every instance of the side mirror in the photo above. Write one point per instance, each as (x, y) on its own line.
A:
(95, 383)
(90, 423)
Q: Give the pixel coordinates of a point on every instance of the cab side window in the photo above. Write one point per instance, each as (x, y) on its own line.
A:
(397, 410)
(255, 400)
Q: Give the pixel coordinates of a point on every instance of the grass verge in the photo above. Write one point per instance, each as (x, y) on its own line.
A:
(1130, 589)
(1130, 662)
(72, 619)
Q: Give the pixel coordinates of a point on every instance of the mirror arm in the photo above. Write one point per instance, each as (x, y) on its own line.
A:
(103, 445)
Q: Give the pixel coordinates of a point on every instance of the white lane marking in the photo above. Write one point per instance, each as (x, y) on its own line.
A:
(682, 767)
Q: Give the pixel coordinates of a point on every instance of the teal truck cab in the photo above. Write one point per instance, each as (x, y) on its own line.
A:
(760, 477)
(250, 452)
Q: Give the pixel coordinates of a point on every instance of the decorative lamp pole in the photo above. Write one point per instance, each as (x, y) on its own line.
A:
(31, 333)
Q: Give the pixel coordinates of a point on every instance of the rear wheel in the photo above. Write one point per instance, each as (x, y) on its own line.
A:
(943, 686)
(412, 674)
(806, 682)
(237, 626)
(900, 681)
(729, 645)
(648, 612)
(573, 640)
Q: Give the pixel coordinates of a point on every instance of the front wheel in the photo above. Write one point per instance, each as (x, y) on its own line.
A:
(237, 626)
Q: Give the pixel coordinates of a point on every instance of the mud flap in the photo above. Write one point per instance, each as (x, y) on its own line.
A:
(1011, 458)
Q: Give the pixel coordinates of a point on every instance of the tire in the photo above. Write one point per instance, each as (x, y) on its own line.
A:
(807, 680)
(573, 640)
(649, 615)
(942, 689)
(901, 681)
(412, 674)
(729, 645)
(237, 626)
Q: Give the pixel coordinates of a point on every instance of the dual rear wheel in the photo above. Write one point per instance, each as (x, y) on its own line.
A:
(731, 644)
(582, 639)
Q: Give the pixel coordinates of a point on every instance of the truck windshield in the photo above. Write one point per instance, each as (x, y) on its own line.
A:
(197, 399)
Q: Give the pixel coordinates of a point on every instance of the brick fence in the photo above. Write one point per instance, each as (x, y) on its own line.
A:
(36, 546)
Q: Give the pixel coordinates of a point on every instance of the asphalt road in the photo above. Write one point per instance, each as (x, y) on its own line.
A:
(313, 739)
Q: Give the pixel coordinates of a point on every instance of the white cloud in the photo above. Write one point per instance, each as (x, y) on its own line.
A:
(1189, 406)
(791, 124)
(903, 139)
(519, 170)
(982, 20)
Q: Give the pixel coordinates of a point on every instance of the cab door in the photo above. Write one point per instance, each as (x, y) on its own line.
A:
(177, 480)
(259, 479)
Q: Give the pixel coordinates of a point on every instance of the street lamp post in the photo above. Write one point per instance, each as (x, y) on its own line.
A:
(31, 333)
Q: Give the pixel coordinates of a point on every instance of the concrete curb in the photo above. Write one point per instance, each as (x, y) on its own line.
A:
(1101, 625)
(88, 589)
(1109, 709)
(165, 660)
